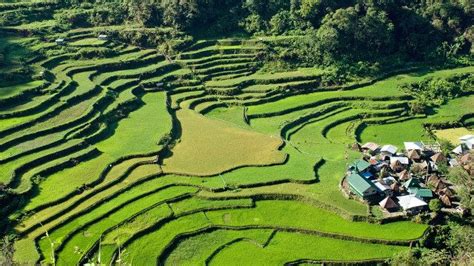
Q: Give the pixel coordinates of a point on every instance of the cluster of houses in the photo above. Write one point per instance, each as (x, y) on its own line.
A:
(404, 182)
(464, 154)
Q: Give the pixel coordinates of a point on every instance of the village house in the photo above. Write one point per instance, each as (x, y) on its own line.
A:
(468, 140)
(388, 150)
(370, 148)
(400, 181)
(418, 146)
(399, 163)
(466, 144)
(361, 186)
(389, 204)
(411, 204)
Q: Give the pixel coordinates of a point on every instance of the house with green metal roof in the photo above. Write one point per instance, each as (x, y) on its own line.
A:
(421, 193)
(359, 166)
(412, 183)
(361, 186)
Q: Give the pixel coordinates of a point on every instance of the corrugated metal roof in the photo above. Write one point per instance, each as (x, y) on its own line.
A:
(359, 183)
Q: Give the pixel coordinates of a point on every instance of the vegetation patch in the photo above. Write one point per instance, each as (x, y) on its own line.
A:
(209, 147)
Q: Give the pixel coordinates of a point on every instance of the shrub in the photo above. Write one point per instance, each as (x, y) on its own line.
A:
(435, 205)
(437, 91)
(281, 22)
(73, 18)
(254, 24)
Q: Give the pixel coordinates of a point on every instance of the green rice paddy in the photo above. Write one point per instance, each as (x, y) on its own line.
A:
(222, 164)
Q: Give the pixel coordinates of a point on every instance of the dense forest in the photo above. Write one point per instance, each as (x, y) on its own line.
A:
(350, 39)
(367, 32)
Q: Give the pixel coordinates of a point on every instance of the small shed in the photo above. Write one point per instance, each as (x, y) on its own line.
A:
(395, 187)
(60, 41)
(439, 186)
(432, 179)
(421, 168)
(356, 146)
(466, 158)
(403, 160)
(389, 204)
(398, 164)
(103, 37)
(447, 191)
(361, 186)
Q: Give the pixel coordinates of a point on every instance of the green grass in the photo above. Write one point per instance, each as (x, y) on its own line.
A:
(266, 77)
(85, 239)
(195, 250)
(286, 247)
(10, 91)
(275, 213)
(137, 134)
(396, 133)
(90, 197)
(387, 87)
(88, 42)
(144, 250)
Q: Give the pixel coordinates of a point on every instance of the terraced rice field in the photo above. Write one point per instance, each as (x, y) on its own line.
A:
(222, 163)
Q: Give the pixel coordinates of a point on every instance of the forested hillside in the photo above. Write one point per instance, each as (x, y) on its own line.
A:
(198, 132)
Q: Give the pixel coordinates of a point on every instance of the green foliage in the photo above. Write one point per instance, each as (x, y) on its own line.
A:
(465, 185)
(432, 92)
(345, 34)
(72, 18)
(254, 24)
(435, 205)
(446, 146)
(446, 244)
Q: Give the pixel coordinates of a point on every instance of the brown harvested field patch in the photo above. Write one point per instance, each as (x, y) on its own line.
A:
(209, 147)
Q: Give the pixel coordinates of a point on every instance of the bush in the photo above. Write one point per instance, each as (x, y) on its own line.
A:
(432, 92)
(435, 205)
(254, 24)
(281, 22)
(73, 18)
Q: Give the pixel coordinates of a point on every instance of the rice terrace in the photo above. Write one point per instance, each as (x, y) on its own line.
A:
(256, 132)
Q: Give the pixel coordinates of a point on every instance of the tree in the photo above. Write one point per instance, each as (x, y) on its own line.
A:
(347, 35)
(180, 13)
(147, 13)
(281, 22)
(375, 32)
(435, 205)
(465, 185)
